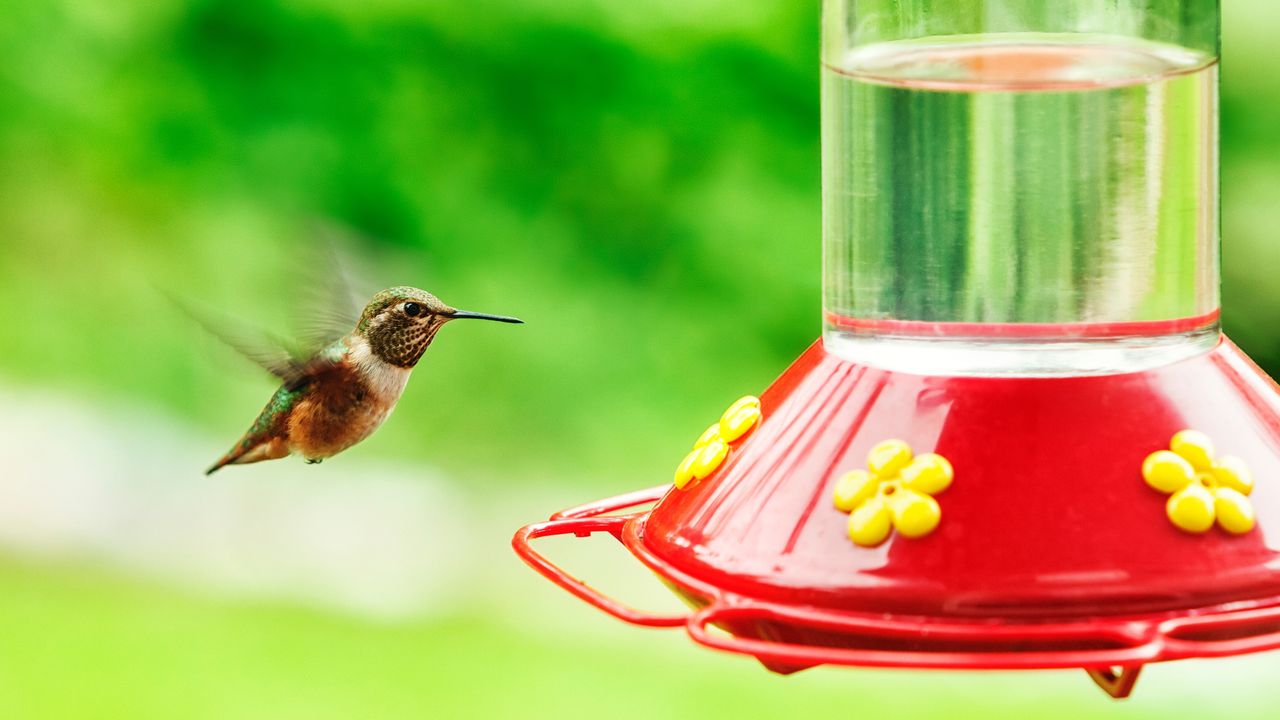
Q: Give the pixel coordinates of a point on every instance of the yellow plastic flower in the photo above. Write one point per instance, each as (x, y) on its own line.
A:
(712, 447)
(1202, 490)
(894, 492)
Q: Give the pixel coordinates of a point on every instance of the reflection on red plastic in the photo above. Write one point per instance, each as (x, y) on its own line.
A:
(925, 328)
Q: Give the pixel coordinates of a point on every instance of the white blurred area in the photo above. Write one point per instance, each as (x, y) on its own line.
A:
(104, 483)
(122, 487)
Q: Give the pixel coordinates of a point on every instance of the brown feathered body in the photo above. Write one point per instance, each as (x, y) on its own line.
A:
(332, 411)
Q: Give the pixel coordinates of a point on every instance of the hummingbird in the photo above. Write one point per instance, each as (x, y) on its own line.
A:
(333, 398)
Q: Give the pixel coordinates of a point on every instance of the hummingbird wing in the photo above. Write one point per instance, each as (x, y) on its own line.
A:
(331, 300)
(326, 309)
(287, 361)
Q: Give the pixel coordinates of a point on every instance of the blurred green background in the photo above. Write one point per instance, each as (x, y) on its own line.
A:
(638, 181)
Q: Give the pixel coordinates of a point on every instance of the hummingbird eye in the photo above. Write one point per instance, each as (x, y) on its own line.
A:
(412, 309)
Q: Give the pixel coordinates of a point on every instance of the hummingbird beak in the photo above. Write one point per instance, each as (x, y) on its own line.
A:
(464, 315)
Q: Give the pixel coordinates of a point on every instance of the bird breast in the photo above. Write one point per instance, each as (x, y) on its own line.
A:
(346, 405)
(385, 381)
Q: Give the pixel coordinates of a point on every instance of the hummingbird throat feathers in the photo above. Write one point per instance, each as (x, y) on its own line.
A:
(400, 340)
(385, 381)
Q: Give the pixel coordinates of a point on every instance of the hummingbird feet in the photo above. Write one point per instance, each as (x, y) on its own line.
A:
(314, 461)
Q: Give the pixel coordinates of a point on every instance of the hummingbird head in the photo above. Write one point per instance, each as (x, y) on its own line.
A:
(400, 322)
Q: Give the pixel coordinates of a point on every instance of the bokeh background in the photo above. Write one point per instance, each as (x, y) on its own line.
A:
(638, 181)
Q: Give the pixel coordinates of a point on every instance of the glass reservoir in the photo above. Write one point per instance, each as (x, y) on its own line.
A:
(1017, 187)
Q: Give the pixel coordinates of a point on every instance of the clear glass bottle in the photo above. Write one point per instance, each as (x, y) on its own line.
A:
(1020, 187)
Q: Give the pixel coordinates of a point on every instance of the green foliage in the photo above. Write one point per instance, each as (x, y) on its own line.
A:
(641, 188)
(645, 199)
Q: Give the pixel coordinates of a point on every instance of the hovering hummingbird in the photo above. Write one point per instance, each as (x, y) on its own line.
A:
(333, 398)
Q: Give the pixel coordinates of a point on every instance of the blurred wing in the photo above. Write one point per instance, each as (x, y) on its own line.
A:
(269, 351)
(330, 304)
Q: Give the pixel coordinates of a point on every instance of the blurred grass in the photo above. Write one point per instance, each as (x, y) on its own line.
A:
(86, 646)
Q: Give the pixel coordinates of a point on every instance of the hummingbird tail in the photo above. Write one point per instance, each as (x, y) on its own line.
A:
(222, 461)
(248, 451)
(230, 458)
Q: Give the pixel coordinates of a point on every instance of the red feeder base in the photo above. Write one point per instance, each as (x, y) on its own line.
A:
(1052, 551)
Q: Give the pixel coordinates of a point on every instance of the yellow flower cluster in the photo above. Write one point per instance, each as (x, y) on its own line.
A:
(1202, 490)
(895, 492)
(712, 446)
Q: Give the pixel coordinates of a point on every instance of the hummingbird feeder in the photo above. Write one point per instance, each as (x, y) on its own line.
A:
(1022, 441)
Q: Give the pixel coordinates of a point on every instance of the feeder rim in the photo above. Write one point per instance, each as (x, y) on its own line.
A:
(1124, 643)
